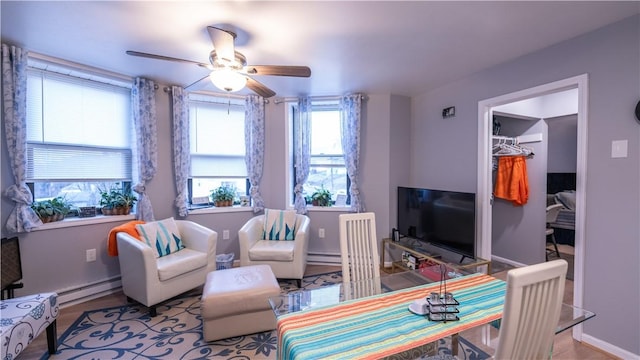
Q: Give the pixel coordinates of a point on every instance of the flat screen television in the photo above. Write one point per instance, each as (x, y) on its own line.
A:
(446, 219)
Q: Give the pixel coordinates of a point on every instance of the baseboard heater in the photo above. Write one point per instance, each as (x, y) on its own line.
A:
(78, 294)
(323, 258)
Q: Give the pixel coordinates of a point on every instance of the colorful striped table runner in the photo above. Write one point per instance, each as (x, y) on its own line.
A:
(382, 325)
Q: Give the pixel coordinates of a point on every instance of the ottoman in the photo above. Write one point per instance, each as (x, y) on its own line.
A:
(236, 302)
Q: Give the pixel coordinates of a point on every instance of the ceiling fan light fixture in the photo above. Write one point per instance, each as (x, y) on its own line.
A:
(228, 80)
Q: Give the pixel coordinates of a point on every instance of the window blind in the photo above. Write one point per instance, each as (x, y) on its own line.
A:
(216, 138)
(77, 129)
(48, 162)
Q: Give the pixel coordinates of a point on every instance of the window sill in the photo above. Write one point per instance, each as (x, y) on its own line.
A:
(78, 221)
(215, 210)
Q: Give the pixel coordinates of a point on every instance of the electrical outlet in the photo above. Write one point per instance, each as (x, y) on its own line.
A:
(225, 234)
(91, 255)
(321, 233)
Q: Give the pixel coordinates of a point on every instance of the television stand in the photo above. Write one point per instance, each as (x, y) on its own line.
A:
(423, 252)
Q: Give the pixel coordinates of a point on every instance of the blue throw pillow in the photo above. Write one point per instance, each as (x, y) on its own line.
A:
(162, 236)
(279, 224)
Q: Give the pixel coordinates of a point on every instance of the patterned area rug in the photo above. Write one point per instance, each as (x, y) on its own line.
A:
(128, 332)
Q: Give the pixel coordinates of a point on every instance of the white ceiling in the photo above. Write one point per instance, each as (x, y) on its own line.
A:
(399, 47)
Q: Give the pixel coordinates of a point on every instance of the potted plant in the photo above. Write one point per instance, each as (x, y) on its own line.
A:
(117, 201)
(321, 197)
(51, 210)
(223, 195)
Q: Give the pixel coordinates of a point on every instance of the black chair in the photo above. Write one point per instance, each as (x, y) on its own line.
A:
(11, 271)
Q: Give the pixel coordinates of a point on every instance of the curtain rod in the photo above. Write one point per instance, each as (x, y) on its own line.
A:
(167, 89)
(57, 61)
(363, 97)
(73, 66)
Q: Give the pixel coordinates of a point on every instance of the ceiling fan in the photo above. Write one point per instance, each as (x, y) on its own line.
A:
(229, 69)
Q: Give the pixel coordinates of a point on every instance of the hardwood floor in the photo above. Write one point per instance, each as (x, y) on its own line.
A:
(565, 347)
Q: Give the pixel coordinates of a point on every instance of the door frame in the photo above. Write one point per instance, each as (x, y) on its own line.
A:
(484, 174)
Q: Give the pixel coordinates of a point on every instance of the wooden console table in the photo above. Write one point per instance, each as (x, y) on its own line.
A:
(422, 251)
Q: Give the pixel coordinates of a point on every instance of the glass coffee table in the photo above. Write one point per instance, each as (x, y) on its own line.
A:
(332, 304)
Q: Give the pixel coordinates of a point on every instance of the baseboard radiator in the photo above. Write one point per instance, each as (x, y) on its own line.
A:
(78, 294)
(322, 258)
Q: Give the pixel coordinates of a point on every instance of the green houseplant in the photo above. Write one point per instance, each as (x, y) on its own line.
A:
(223, 195)
(51, 210)
(117, 201)
(321, 197)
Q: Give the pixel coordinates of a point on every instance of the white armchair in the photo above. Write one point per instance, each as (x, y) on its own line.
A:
(150, 280)
(287, 259)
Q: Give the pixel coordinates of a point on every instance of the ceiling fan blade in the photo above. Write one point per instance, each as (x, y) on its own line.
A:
(278, 70)
(195, 82)
(167, 58)
(222, 42)
(259, 88)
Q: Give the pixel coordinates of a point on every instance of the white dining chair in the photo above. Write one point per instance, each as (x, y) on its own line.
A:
(359, 251)
(531, 312)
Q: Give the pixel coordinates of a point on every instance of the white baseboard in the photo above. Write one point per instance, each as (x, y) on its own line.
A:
(506, 261)
(78, 294)
(608, 348)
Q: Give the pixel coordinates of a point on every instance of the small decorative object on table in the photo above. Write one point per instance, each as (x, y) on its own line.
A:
(442, 305)
(438, 306)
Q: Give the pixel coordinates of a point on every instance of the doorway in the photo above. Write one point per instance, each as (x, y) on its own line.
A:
(484, 172)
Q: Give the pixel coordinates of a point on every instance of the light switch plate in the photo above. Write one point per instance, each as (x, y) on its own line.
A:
(619, 148)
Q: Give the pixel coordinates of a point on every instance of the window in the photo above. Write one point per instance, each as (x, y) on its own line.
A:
(216, 135)
(326, 164)
(78, 135)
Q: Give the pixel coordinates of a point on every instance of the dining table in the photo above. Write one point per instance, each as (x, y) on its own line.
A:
(375, 318)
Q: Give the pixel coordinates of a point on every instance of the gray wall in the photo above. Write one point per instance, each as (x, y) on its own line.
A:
(400, 131)
(447, 158)
(563, 143)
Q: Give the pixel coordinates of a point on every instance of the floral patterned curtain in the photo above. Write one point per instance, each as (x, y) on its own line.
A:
(254, 146)
(14, 101)
(143, 103)
(302, 133)
(181, 156)
(350, 128)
